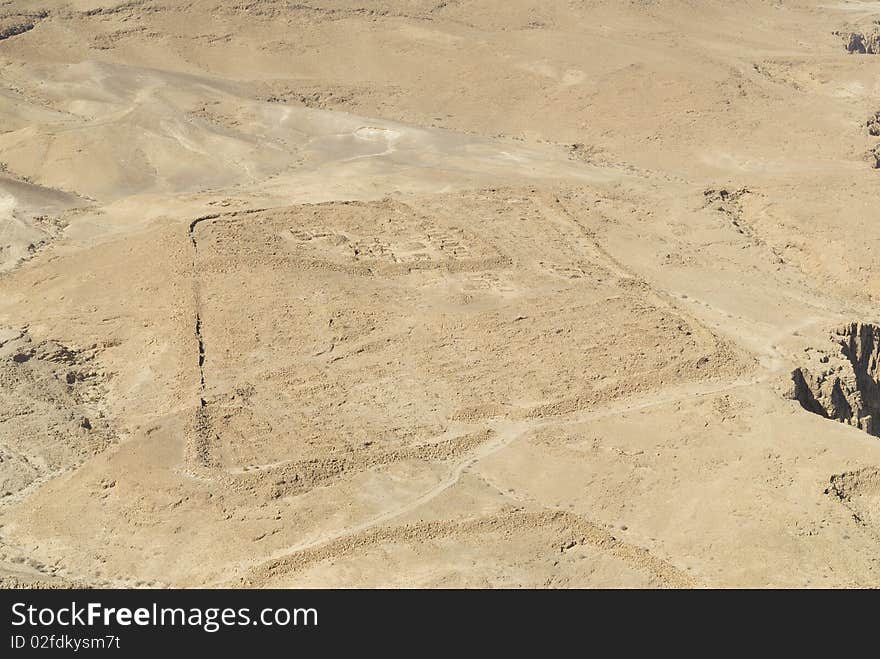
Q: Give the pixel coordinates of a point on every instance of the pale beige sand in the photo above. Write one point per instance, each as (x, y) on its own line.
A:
(419, 293)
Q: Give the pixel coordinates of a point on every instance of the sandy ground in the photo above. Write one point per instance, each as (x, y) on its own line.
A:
(437, 294)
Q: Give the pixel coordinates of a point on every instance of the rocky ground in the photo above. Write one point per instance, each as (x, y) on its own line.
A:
(419, 293)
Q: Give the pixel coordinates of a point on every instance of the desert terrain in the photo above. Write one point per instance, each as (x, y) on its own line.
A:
(411, 293)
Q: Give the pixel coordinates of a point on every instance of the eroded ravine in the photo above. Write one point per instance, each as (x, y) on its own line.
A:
(843, 382)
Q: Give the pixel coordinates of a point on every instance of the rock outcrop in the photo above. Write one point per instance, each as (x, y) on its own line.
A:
(844, 383)
(861, 43)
